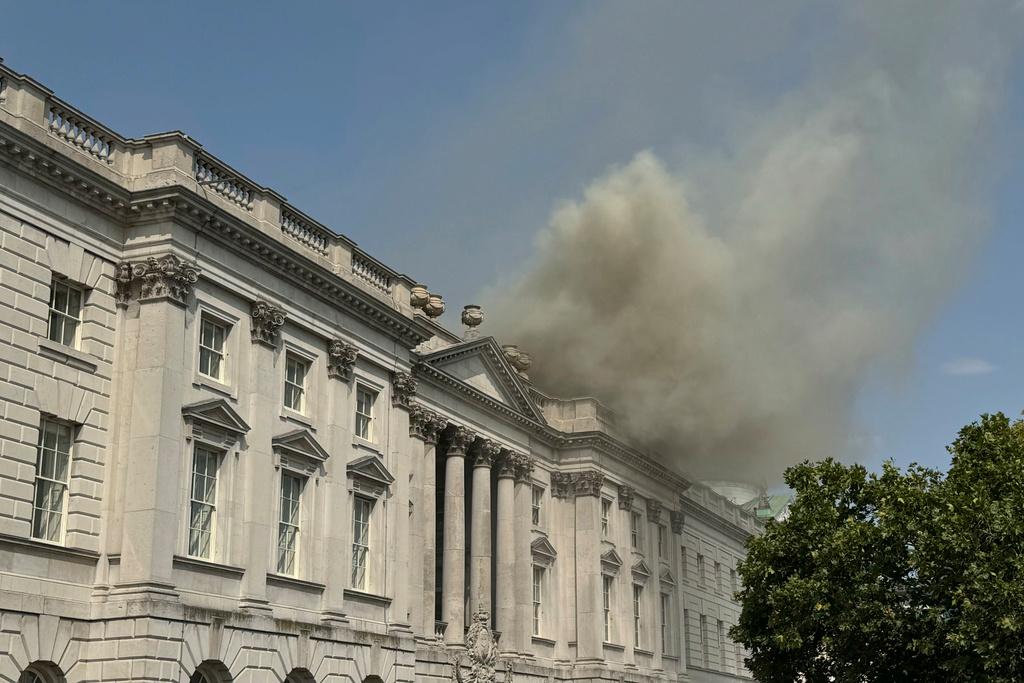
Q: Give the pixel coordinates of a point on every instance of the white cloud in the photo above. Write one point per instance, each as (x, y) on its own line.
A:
(963, 367)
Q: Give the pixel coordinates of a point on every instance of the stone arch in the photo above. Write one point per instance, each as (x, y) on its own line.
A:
(299, 675)
(211, 671)
(42, 672)
(373, 679)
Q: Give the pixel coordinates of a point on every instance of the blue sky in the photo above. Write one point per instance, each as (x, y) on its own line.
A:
(441, 135)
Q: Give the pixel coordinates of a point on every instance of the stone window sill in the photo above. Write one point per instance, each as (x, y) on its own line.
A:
(204, 382)
(541, 640)
(641, 651)
(208, 566)
(295, 416)
(368, 598)
(294, 582)
(674, 658)
(66, 354)
(35, 545)
(614, 646)
(362, 443)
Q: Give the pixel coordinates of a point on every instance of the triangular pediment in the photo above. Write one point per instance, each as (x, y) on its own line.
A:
(611, 559)
(542, 548)
(300, 442)
(370, 467)
(481, 365)
(667, 578)
(641, 569)
(216, 412)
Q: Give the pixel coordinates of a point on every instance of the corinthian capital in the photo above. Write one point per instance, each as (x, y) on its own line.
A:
(589, 483)
(654, 511)
(524, 468)
(403, 389)
(461, 438)
(267, 320)
(159, 277)
(341, 358)
(485, 452)
(626, 497)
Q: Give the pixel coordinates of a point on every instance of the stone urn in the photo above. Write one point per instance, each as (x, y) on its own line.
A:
(435, 306)
(418, 296)
(522, 363)
(511, 352)
(472, 316)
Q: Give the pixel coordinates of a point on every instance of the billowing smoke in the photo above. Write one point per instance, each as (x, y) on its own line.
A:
(729, 309)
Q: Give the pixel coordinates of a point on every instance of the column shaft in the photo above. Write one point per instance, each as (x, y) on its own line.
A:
(429, 520)
(505, 550)
(480, 528)
(454, 580)
(523, 569)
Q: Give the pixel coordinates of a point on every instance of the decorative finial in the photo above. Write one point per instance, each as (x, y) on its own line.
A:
(418, 296)
(434, 306)
(472, 316)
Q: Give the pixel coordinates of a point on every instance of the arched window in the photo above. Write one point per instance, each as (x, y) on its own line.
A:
(211, 672)
(42, 672)
(300, 676)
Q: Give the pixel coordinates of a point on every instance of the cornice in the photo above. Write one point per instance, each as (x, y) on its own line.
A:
(698, 511)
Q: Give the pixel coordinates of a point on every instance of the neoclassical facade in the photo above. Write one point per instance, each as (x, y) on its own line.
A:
(236, 447)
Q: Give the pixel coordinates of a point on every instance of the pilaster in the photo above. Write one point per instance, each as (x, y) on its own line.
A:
(505, 551)
(454, 579)
(586, 491)
(523, 557)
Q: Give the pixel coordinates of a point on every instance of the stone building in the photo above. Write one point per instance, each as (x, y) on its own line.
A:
(236, 447)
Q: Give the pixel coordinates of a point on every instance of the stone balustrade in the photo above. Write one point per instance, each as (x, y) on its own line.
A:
(369, 272)
(226, 184)
(303, 231)
(77, 130)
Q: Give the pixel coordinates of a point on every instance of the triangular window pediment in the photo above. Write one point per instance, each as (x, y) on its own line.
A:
(369, 474)
(300, 442)
(641, 570)
(543, 551)
(215, 422)
(610, 561)
(481, 365)
(666, 578)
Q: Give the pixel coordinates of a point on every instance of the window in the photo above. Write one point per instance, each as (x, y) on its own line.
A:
(203, 505)
(211, 348)
(65, 313)
(288, 523)
(535, 504)
(606, 517)
(638, 592)
(705, 653)
(700, 569)
(721, 645)
(665, 615)
(634, 530)
(661, 541)
(365, 399)
(53, 465)
(685, 568)
(686, 637)
(538, 587)
(606, 604)
(718, 576)
(360, 541)
(295, 383)
(732, 582)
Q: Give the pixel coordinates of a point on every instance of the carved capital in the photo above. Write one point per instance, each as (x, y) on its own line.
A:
(677, 519)
(403, 389)
(461, 438)
(589, 483)
(159, 277)
(419, 419)
(484, 453)
(524, 468)
(507, 464)
(626, 494)
(341, 358)
(267, 320)
(654, 511)
(562, 484)
(432, 430)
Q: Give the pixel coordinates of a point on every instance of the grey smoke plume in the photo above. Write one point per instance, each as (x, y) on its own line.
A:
(730, 309)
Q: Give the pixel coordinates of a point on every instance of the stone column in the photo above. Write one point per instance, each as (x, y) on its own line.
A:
(152, 508)
(483, 453)
(431, 429)
(423, 432)
(454, 580)
(402, 463)
(505, 550)
(523, 584)
(589, 610)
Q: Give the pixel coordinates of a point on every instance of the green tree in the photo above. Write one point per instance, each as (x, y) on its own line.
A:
(894, 576)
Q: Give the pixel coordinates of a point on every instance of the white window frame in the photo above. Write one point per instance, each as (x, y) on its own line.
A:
(665, 617)
(721, 645)
(608, 605)
(302, 388)
(288, 506)
(606, 517)
(204, 350)
(363, 418)
(366, 543)
(662, 541)
(638, 597)
(705, 647)
(66, 316)
(539, 576)
(537, 505)
(217, 457)
(635, 530)
(48, 481)
(732, 582)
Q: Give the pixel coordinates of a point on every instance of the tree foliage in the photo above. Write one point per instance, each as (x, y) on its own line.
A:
(894, 576)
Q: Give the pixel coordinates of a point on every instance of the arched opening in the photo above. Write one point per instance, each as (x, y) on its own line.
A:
(373, 679)
(300, 676)
(211, 671)
(42, 672)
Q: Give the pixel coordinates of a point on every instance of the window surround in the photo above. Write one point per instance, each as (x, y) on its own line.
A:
(610, 565)
(298, 454)
(606, 517)
(66, 314)
(667, 585)
(636, 535)
(537, 492)
(304, 412)
(370, 481)
(228, 382)
(374, 430)
(544, 555)
(51, 478)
